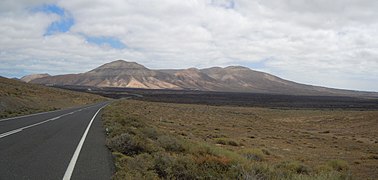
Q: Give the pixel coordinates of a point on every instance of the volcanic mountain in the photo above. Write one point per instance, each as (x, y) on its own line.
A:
(121, 73)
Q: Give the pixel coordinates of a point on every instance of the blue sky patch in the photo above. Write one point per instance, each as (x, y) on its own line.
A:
(50, 8)
(227, 4)
(62, 25)
(106, 41)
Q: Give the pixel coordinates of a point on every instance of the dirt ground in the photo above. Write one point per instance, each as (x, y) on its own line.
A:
(310, 136)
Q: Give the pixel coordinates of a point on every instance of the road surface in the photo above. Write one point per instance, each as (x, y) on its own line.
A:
(64, 144)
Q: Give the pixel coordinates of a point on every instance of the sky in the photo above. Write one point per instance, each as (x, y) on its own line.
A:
(319, 42)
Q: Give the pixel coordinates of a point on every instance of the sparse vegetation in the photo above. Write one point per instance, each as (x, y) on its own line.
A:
(149, 145)
(226, 141)
(19, 98)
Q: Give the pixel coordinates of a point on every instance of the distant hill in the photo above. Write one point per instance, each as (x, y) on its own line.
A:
(121, 73)
(31, 77)
(19, 98)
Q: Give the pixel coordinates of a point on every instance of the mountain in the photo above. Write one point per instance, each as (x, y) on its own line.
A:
(121, 73)
(31, 77)
(115, 74)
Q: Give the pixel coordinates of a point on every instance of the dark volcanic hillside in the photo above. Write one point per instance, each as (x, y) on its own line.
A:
(233, 78)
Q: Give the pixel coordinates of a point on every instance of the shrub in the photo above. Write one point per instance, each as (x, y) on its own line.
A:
(163, 163)
(293, 167)
(210, 163)
(221, 141)
(332, 175)
(150, 133)
(220, 162)
(324, 168)
(137, 167)
(168, 166)
(226, 141)
(120, 159)
(338, 165)
(142, 162)
(266, 152)
(183, 167)
(259, 171)
(373, 156)
(129, 144)
(252, 154)
(131, 121)
(171, 143)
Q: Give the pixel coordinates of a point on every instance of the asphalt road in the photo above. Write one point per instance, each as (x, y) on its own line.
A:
(65, 144)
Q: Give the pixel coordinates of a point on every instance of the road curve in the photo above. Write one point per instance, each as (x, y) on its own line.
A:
(64, 144)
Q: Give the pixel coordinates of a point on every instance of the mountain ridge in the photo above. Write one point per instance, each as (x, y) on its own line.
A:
(122, 73)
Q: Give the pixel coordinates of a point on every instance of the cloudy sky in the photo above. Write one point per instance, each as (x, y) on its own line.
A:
(320, 42)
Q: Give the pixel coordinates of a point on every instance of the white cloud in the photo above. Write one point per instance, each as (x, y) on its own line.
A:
(328, 43)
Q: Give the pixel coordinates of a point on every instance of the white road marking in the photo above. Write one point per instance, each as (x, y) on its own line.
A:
(36, 124)
(21, 129)
(9, 133)
(55, 118)
(71, 166)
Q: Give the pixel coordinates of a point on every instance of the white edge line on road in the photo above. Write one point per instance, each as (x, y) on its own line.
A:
(36, 124)
(71, 166)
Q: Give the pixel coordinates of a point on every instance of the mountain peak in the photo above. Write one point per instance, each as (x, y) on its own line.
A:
(193, 69)
(122, 64)
(121, 68)
(237, 68)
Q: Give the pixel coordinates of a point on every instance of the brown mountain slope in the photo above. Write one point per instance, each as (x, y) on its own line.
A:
(233, 78)
(193, 78)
